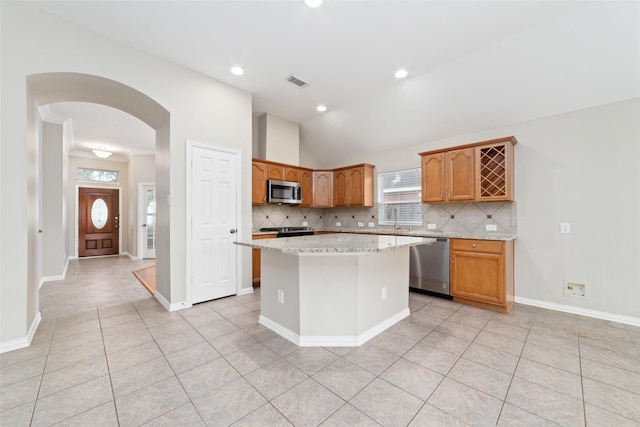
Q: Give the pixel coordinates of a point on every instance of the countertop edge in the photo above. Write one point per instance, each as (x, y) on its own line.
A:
(415, 233)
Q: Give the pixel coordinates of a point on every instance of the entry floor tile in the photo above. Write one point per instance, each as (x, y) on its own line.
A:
(107, 353)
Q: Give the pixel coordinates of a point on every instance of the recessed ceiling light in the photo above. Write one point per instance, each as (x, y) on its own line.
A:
(237, 71)
(401, 74)
(313, 3)
(321, 108)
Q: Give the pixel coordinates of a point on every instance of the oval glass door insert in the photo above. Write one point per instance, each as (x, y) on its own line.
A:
(99, 213)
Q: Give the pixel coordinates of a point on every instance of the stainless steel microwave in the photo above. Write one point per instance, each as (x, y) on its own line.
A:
(284, 192)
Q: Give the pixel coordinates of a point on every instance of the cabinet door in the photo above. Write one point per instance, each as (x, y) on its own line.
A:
(292, 174)
(355, 189)
(460, 176)
(340, 183)
(258, 183)
(276, 172)
(306, 182)
(478, 271)
(433, 187)
(323, 189)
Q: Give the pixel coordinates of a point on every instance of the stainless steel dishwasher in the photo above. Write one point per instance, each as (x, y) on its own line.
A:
(429, 268)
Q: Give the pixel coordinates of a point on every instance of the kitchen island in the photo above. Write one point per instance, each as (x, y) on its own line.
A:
(334, 289)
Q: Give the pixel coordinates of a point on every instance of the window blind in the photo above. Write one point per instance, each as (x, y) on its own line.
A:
(400, 197)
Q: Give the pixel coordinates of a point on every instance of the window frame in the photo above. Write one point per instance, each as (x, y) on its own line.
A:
(417, 201)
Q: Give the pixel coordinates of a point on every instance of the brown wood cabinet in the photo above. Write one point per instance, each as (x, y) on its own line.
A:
(482, 171)
(306, 182)
(482, 273)
(275, 172)
(255, 259)
(322, 189)
(284, 173)
(259, 172)
(353, 186)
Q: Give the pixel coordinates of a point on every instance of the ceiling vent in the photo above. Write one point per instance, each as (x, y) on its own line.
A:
(297, 81)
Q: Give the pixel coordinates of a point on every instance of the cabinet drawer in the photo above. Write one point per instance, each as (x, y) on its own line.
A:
(494, 246)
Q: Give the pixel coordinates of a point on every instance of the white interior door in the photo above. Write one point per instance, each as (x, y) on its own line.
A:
(214, 189)
(147, 221)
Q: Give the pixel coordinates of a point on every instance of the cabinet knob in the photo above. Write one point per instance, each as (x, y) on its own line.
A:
(473, 245)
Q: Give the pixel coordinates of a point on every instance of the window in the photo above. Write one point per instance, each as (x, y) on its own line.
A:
(400, 193)
(97, 175)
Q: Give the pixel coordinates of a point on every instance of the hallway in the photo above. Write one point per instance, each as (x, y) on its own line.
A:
(108, 354)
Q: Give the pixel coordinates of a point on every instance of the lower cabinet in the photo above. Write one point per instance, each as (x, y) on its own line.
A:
(482, 273)
(255, 259)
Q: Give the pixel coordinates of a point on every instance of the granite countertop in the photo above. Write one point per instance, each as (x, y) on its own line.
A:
(336, 243)
(412, 233)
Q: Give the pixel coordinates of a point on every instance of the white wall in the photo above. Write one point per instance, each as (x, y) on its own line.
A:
(33, 42)
(278, 140)
(581, 167)
(54, 221)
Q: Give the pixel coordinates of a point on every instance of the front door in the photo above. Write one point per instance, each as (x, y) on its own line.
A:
(214, 192)
(98, 221)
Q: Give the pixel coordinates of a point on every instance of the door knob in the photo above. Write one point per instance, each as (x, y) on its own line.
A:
(232, 231)
(144, 225)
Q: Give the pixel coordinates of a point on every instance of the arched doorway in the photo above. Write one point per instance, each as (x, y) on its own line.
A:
(48, 88)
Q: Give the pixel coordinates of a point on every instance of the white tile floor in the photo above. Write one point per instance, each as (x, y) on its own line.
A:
(107, 354)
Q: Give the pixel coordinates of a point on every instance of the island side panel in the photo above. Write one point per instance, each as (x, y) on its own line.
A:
(389, 269)
(329, 295)
(280, 272)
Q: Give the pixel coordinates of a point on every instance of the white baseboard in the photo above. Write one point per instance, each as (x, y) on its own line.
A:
(59, 277)
(245, 291)
(22, 342)
(333, 341)
(627, 320)
(131, 257)
(167, 305)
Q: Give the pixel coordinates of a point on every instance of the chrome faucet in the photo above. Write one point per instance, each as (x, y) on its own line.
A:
(395, 219)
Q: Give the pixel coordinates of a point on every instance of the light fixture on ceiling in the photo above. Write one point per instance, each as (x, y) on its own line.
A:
(313, 3)
(238, 71)
(321, 108)
(103, 154)
(401, 74)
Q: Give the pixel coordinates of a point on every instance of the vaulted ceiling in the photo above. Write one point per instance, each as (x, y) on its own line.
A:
(471, 65)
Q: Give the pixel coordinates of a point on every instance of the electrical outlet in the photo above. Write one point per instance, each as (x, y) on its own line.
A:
(491, 227)
(280, 296)
(565, 227)
(371, 224)
(431, 226)
(338, 224)
(572, 289)
(305, 223)
(384, 292)
(361, 224)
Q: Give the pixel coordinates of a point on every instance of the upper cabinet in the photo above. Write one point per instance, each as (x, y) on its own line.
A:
(322, 189)
(306, 182)
(284, 173)
(350, 186)
(259, 173)
(475, 172)
(353, 186)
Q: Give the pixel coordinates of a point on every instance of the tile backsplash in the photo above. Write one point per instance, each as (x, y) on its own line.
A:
(448, 217)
